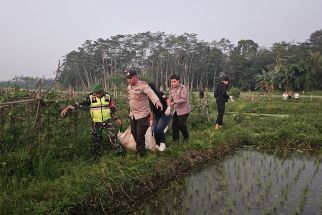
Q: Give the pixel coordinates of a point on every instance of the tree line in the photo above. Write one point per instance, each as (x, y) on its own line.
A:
(200, 64)
(27, 82)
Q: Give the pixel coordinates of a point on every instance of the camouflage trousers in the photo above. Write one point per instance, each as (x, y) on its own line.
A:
(103, 133)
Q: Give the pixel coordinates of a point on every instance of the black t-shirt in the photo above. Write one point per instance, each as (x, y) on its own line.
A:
(163, 99)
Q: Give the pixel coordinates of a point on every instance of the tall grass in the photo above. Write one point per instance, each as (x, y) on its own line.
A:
(53, 170)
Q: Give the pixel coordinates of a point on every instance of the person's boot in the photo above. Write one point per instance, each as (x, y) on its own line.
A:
(162, 147)
(97, 151)
(216, 127)
(141, 154)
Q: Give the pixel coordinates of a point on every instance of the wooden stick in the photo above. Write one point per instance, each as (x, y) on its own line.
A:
(17, 102)
(37, 114)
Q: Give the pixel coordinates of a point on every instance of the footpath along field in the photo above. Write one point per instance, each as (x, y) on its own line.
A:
(47, 168)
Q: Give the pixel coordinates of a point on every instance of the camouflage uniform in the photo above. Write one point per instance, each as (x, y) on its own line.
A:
(106, 124)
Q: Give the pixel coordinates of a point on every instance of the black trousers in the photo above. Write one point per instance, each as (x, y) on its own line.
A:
(138, 130)
(221, 111)
(179, 122)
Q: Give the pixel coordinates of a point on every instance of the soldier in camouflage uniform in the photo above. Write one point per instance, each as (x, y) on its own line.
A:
(103, 114)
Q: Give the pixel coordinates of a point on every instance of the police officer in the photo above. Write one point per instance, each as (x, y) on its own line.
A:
(179, 98)
(139, 93)
(103, 113)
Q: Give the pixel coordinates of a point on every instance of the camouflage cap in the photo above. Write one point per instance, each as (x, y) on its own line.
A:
(97, 88)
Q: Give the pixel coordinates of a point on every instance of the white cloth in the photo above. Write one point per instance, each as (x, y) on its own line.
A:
(127, 140)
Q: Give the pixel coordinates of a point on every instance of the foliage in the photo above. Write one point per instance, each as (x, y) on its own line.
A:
(200, 64)
(234, 92)
(27, 82)
(52, 170)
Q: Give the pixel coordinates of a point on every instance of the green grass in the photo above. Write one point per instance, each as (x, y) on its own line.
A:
(51, 171)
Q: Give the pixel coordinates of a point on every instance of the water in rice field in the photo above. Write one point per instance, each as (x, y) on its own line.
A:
(247, 182)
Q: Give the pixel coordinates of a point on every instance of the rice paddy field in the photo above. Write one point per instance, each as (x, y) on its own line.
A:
(247, 182)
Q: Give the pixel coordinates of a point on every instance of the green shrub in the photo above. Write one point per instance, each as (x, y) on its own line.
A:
(234, 92)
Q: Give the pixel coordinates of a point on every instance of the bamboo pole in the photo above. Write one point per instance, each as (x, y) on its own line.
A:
(37, 115)
(17, 102)
(207, 105)
(2, 121)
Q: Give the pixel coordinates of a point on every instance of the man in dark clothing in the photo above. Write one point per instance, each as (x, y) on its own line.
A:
(160, 118)
(221, 98)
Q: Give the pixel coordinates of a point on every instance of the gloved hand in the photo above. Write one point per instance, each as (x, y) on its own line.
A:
(167, 111)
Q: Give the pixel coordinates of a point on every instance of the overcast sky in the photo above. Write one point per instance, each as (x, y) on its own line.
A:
(35, 34)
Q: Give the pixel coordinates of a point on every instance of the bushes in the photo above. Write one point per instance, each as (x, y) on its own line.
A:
(53, 172)
(234, 92)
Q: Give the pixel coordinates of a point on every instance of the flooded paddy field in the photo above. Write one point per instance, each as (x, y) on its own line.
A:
(247, 182)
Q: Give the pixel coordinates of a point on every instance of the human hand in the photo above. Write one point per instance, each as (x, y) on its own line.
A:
(167, 111)
(118, 121)
(151, 122)
(63, 113)
(158, 104)
(66, 110)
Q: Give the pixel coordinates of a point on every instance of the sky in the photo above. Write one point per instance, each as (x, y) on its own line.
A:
(36, 34)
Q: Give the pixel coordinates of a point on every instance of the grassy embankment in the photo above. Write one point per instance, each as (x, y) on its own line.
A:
(53, 171)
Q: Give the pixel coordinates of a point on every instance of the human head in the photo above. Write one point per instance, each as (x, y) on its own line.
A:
(131, 76)
(174, 81)
(98, 90)
(226, 80)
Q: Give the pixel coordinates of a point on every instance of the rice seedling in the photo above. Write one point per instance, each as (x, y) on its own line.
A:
(316, 170)
(300, 207)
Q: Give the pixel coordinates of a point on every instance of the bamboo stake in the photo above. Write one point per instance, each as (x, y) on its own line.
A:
(38, 110)
(207, 105)
(2, 121)
(16, 102)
